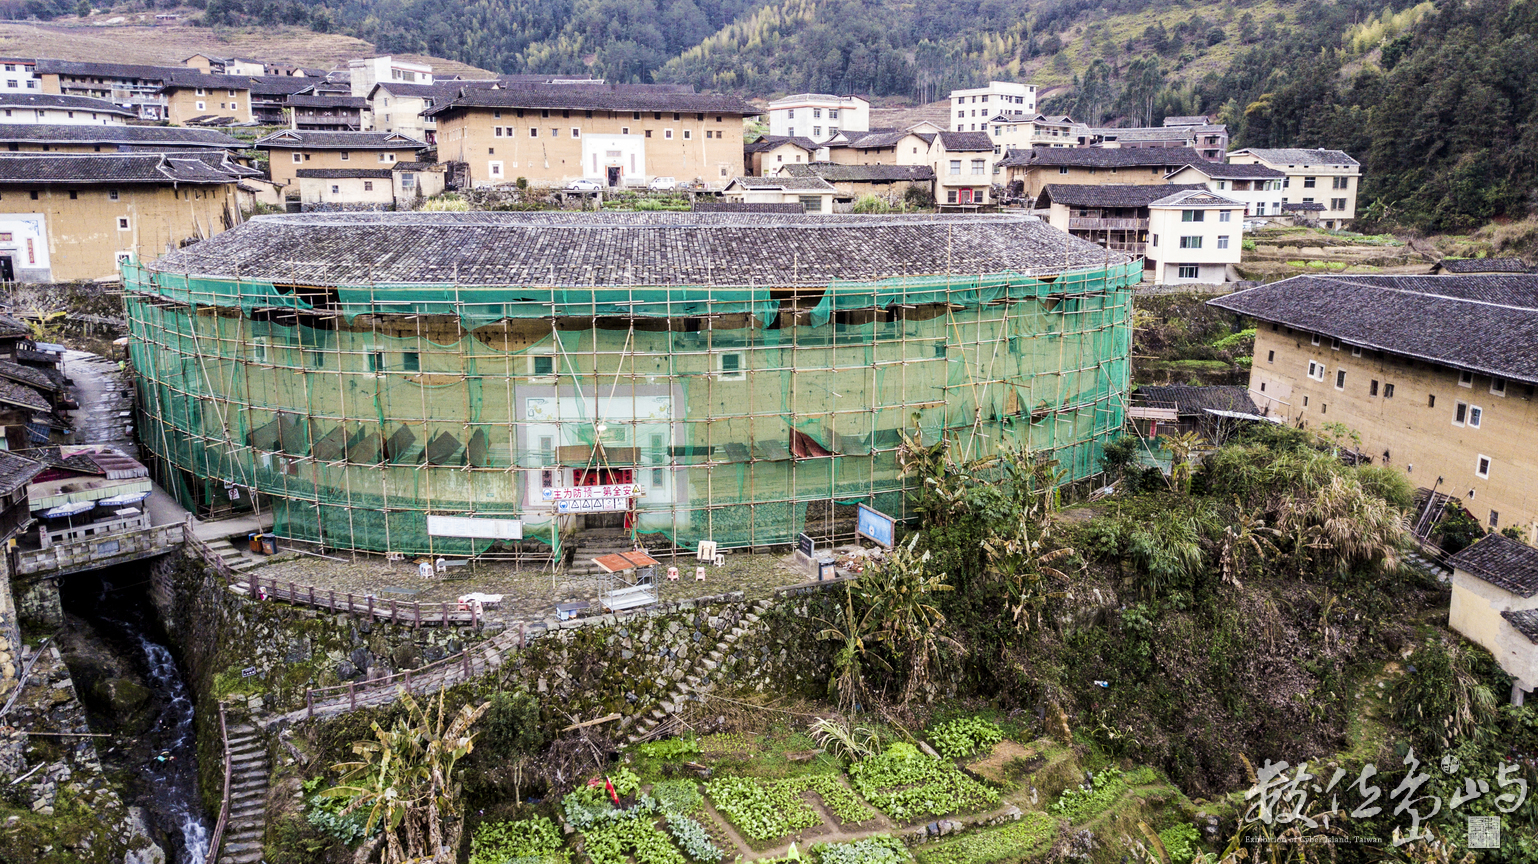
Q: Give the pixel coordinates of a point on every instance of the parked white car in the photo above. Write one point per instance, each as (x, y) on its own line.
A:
(584, 186)
(662, 184)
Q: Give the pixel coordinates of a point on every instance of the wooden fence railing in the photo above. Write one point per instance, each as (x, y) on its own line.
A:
(394, 611)
(224, 807)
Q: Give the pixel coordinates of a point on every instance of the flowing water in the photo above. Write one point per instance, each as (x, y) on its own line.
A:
(167, 784)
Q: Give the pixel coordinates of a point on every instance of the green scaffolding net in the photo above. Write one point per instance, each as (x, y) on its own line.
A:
(743, 416)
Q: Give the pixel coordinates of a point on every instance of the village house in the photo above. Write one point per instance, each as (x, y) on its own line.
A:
(1259, 187)
(292, 149)
(1495, 605)
(19, 75)
(1210, 141)
(195, 97)
(769, 153)
(1029, 171)
(1213, 412)
(60, 110)
(16, 473)
(130, 86)
(1326, 177)
(269, 98)
(398, 107)
(1016, 132)
(1435, 373)
(1194, 236)
(963, 166)
(615, 134)
(69, 217)
(328, 113)
(819, 117)
(851, 182)
(972, 108)
(882, 147)
(365, 72)
(814, 194)
(210, 65)
(49, 138)
(398, 187)
(1115, 217)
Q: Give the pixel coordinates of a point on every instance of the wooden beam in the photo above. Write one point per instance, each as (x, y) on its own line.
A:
(604, 719)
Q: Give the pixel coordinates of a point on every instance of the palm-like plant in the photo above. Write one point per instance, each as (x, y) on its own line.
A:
(1245, 536)
(901, 593)
(854, 631)
(1181, 447)
(405, 780)
(1341, 526)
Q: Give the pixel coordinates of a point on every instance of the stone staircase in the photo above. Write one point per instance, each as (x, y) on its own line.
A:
(699, 680)
(232, 557)
(248, 797)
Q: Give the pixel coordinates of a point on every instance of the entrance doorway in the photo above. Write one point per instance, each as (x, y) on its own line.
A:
(613, 176)
(7, 269)
(604, 477)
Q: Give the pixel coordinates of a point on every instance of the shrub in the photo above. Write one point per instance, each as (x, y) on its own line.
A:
(325, 814)
(919, 197)
(1181, 842)
(872, 204)
(677, 796)
(510, 727)
(1078, 804)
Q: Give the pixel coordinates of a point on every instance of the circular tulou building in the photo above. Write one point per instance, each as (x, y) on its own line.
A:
(505, 383)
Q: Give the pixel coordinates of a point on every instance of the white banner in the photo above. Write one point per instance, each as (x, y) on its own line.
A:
(593, 505)
(610, 490)
(484, 529)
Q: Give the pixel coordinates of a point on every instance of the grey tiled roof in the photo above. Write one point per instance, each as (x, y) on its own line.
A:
(16, 471)
(1147, 133)
(337, 173)
(1199, 197)
(1225, 171)
(43, 379)
(769, 142)
(834, 172)
(43, 168)
(588, 97)
(302, 139)
(59, 133)
(1195, 400)
(872, 140)
(1302, 206)
(554, 248)
(1501, 561)
(1087, 195)
(193, 78)
(354, 102)
(1525, 622)
(279, 85)
(81, 69)
(799, 184)
(1104, 157)
(62, 103)
(1482, 265)
(12, 393)
(1190, 120)
(1483, 324)
(1301, 157)
(966, 142)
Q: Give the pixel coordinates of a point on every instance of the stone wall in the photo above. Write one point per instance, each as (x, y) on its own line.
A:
(10, 634)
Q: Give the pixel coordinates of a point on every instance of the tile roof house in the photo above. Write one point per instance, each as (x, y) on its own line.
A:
(293, 149)
(768, 153)
(1208, 411)
(132, 86)
(1495, 603)
(16, 473)
(853, 181)
(1195, 236)
(1259, 187)
(1480, 266)
(328, 113)
(813, 193)
(1438, 374)
(1329, 178)
(190, 95)
(75, 215)
(1114, 216)
(56, 138)
(61, 110)
(1027, 171)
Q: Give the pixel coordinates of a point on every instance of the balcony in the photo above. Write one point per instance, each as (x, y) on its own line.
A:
(1087, 223)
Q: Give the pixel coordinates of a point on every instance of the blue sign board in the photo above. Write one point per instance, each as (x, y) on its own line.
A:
(876, 526)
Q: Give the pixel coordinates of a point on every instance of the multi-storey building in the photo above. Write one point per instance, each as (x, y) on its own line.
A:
(972, 108)
(1327, 177)
(19, 75)
(819, 117)
(368, 71)
(1259, 187)
(1436, 374)
(1029, 171)
(1194, 235)
(617, 134)
(963, 166)
(292, 149)
(126, 85)
(1114, 217)
(196, 96)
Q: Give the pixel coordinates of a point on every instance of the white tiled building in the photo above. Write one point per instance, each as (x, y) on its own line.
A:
(1194, 236)
(972, 109)
(818, 116)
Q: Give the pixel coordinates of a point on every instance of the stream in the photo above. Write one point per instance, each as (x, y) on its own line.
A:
(166, 776)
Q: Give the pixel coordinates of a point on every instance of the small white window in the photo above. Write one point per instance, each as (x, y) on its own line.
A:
(495, 168)
(368, 185)
(335, 190)
(200, 92)
(730, 366)
(111, 194)
(575, 132)
(1482, 467)
(1315, 371)
(624, 130)
(1460, 413)
(1356, 350)
(1465, 379)
(1498, 386)
(667, 134)
(533, 131)
(345, 156)
(1316, 338)
(1340, 380)
(298, 157)
(1476, 414)
(687, 133)
(1225, 216)
(1223, 240)
(1190, 271)
(122, 223)
(202, 106)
